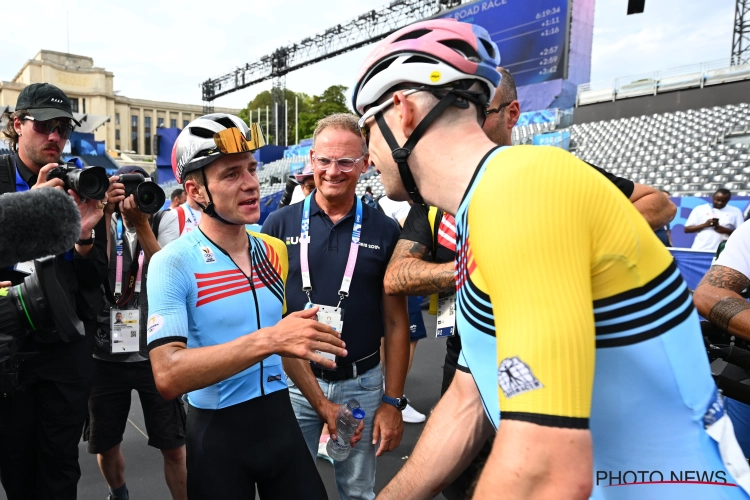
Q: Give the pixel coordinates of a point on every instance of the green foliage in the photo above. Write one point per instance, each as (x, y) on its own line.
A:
(310, 110)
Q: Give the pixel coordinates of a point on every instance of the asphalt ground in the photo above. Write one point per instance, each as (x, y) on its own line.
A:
(144, 465)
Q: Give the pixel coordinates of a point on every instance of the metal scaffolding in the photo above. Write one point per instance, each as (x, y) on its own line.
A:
(365, 29)
(741, 37)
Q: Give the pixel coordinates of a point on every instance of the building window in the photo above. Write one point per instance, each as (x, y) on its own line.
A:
(185, 123)
(147, 135)
(74, 104)
(172, 123)
(117, 134)
(160, 122)
(117, 118)
(134, 133)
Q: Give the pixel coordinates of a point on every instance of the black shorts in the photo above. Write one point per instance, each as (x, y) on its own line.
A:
(109, 405)
(256, 443)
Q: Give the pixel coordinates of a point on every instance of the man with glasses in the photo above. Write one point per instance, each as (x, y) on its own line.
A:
(40, 427)
(338, 251)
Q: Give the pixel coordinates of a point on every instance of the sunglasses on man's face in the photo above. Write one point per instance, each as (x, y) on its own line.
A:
(46, 127)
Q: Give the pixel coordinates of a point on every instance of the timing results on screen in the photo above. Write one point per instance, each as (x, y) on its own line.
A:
(532, 35)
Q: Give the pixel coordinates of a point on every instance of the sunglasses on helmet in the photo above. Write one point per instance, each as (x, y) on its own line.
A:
(231, 141)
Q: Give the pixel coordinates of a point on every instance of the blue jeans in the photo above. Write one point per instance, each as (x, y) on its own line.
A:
(355, 476)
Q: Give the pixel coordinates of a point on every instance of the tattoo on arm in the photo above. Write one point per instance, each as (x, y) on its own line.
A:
(726, 278)
(723, 311)
(408, 273)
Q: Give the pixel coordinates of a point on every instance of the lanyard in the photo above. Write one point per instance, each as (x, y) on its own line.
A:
(195, 221)
(304, 242)
(136, 288)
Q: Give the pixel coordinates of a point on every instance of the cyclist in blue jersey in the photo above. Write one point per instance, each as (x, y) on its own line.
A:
(577, 327)
(215, 331)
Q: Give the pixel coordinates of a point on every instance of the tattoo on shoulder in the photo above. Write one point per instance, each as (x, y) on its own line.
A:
(723, 311)
(725, 277)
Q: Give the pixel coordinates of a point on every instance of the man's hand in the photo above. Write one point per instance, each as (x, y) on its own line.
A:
(129, 209)
(5, 284)
(91, 211)
(41, 179)
(388, 428)
(299, 335)
(328, 413)
(115, 194)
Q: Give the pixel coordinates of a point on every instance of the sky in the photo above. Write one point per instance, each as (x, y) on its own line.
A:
(162, 50)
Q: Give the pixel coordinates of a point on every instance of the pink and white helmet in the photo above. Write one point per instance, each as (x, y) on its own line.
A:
(431, 53)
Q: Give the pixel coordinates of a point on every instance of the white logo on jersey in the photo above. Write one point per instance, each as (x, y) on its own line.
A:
(155, 323)
(515, 377)
(208, 255)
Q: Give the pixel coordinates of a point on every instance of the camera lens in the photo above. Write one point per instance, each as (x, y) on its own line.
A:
(90, 182)
(150, 197)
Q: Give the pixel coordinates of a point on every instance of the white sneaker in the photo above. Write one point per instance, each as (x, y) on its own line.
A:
(412, 416)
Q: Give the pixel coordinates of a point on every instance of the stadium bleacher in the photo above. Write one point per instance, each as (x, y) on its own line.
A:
(690, 153)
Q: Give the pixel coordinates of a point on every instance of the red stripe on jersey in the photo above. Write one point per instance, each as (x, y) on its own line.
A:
(239, 277)
(447, 232)
(202, 276)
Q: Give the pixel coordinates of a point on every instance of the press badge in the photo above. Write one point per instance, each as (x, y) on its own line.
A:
(446, 314)
(334, 317)
(125, 331)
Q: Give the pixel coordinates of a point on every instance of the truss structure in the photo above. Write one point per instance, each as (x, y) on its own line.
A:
(741, 37)
(365, 29)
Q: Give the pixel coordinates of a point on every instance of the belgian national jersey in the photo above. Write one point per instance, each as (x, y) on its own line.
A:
(595, 327)
(200, 297)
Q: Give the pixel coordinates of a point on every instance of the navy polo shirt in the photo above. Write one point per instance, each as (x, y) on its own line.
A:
(327, 255)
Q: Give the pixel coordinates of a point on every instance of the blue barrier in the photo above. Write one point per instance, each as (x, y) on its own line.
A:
(693, 264)
(560, 139)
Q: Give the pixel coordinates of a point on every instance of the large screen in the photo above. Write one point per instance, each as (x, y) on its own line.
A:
(532, 35)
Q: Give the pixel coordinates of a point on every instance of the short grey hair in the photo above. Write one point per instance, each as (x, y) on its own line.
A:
(340, 121)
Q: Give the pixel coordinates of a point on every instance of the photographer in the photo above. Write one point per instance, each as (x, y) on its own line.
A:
(41, 421)
(121, 361)
(718, 298)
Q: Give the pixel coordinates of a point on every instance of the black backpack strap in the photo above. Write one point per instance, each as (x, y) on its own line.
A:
(156, 220)
(436, 226)
(7, 175)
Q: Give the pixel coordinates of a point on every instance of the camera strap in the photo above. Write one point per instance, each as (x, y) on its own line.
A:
(135, 273)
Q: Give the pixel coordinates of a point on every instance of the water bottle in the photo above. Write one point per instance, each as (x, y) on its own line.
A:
(347, 421)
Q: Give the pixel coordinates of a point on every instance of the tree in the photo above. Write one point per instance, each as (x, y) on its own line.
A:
(310, 110)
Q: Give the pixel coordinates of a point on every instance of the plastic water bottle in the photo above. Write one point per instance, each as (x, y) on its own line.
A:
(347, 421)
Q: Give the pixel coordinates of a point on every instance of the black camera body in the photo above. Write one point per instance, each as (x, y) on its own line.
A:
(148, 195)
(88, 182)
(291, 185)
(40, 307)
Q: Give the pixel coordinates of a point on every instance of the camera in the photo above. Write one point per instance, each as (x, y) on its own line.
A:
(40, 307)
(730, 361)
(286, 198)
(148, 195)
(88, 182)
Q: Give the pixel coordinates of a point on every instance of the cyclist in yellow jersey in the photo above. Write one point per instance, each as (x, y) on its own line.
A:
(579, 332)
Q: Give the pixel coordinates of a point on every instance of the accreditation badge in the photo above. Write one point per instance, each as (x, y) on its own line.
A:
(446, 314)
(333, 317)
(125, 330)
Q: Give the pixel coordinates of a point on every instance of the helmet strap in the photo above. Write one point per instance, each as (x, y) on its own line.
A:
(401, 154)
(209, 209)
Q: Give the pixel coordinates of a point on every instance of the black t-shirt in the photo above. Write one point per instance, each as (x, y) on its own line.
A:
(417, 228)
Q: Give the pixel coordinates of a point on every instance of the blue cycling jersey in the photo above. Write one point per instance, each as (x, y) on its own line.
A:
(197, 295)
(573, 315)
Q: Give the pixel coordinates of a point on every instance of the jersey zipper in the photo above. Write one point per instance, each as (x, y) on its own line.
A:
(257, 317)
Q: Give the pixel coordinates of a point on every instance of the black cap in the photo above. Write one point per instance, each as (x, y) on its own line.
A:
(45, 102)
(131, 169)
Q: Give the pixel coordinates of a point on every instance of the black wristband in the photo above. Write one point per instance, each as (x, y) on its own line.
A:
(88, 241)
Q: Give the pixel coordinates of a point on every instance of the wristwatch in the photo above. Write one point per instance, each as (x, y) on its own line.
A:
(88, 241)
(399, 403)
